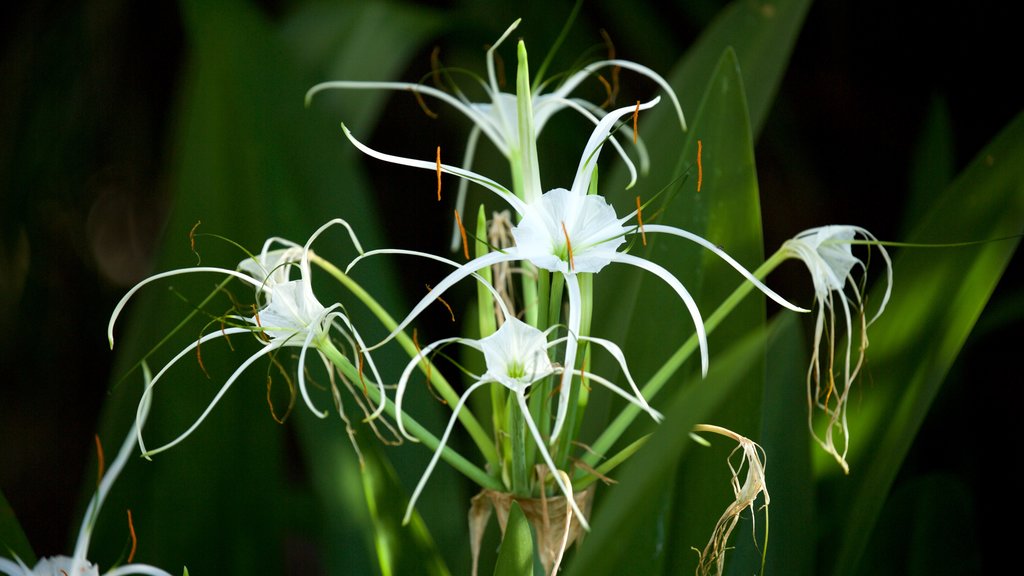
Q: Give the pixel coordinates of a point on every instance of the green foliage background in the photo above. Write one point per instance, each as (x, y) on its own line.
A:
(125, 123)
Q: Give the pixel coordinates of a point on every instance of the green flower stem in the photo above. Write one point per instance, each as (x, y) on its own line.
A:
(476, 431)
(517, 432)
(450, 456)
(618, 426)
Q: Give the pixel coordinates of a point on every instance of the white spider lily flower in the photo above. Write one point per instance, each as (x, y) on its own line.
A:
(516, 356)
(569, 231)
(497, 116)
(828, 254)
(289, 315)
(77, 564)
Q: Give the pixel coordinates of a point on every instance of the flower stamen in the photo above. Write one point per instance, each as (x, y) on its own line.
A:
(700, 167)
(608, 90)
(614, 89)
(636, 115)
(423, 104)
(99, 458)
(192, 241)
(441, 300)
(438, 173)
(462, 232)
(435, 66)
(135, 540)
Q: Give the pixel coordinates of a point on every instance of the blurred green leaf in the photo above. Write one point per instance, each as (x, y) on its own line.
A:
(515, 558)
(12, 538)
(937, 297)
(932, 164)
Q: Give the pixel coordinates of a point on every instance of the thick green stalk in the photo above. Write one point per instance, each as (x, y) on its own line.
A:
(618, 426)
(456, 460)
(476, 431)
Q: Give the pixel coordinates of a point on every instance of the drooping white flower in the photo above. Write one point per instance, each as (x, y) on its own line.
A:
(516, 356)
(288, 315)
(569, 231)
(827, 252)
(497, 117)
(77, 564)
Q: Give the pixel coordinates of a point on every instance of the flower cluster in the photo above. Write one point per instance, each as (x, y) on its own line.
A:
(535, 364)
(287, 314)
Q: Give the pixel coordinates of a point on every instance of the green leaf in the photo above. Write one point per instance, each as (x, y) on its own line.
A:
(12, 538)
(762, 35)
(786, 441)
(726, 211)
(515, 558)
(938, 295)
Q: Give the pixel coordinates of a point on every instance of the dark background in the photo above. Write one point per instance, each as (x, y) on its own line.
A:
(87, 95)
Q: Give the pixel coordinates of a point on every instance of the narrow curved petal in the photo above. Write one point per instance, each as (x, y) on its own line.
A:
(616, 353)
(543, 103)
(440, 448)
(137, 569)
(513, 201)
(465, 270)
(573, 81)
(676, 285)
(407, 373)
(92, 512)
(497, 297)
(147, 393)
(572, 286)
(220, 394)
(655, 228)
(588, 160)
(636, 401)
(124, 299)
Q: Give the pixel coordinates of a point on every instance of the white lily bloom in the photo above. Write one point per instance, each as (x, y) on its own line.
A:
(516, 356)
(77, 564)
(568, 231)
(289, 315)
(828, 254)
(497, 117)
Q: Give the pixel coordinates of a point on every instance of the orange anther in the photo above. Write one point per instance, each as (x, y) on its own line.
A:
(99, 457)
(568, 246)
(700, 167)
(423, 104)
(462, 231)
(446, 305)
(636, 114)
(192, 236)
(438, 173)
(640, 220)
(135, 541)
